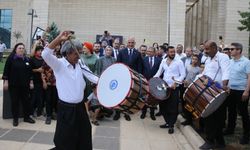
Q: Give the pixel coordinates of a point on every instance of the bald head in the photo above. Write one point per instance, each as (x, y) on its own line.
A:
(131, 42)
(210, 48)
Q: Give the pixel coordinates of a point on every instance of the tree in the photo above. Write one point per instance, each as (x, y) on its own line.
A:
(52, 32)
(17, 35)
(245, 21)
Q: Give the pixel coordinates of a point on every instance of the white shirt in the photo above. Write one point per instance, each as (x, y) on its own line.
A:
(163, 56)
(2, 47)
(176, 69)
(219, 63)
(114, 52)
(152, 60)
(180, 56)
(69, 80)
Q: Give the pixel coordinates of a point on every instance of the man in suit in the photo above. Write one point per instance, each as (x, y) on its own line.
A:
(151, 65)
(116, 46)
(132, 58)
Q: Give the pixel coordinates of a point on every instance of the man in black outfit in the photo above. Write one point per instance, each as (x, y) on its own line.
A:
(151, 65)
(173, 73)
(73, 128)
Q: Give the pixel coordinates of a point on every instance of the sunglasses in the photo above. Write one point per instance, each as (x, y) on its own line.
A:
(231, 49)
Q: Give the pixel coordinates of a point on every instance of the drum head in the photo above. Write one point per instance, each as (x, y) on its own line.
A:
(158, 88)
(114, 85)
(214, 104)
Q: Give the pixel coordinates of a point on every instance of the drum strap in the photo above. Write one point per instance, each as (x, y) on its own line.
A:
(197, 97)
(132, 106)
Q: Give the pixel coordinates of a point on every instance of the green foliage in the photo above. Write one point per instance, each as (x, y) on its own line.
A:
(245, 22)
(52, 32)
(17, 35)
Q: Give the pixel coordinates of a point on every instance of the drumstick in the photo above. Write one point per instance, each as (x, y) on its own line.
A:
(176, 81)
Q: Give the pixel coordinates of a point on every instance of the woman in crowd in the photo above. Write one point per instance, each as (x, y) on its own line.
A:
(17, 78)
(36, 62)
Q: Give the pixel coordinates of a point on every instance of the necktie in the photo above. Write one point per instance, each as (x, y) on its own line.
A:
(130, 55)
(150, 62)
(116, 51)
(130, 52)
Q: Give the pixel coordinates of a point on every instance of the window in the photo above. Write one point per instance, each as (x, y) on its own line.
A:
(5, 26)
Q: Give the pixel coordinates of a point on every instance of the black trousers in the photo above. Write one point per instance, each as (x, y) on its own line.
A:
(214, 124)
(19, 95)
(234, 105)
(169, 108)
(73, 128)
(144, 110)
(37, 98)
(51, 100)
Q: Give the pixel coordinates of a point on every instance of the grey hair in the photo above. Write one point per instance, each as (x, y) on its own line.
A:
(68, 47)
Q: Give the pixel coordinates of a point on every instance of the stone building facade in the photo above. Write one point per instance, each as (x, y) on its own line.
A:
(209, 19)
(142, 19)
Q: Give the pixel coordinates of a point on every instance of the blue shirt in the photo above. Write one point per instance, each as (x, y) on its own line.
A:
(239, 69)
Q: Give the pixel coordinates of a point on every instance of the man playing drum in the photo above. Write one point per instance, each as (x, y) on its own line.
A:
(173, 73)
(73, 129)
(217, 68)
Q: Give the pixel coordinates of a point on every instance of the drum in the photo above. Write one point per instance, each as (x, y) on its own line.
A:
(122, 88)
(203, 97)
(158, 91)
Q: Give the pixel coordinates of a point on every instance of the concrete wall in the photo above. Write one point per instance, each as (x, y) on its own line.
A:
(20, 19)
(214, 18)
(143, 19)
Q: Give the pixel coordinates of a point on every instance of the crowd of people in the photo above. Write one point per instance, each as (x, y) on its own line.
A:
(50, 78)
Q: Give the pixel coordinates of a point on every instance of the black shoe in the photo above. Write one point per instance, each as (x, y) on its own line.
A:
(158, 114)
(48, 120)
(143, 115)
(228, 132)
(244, 140)
(171, 130)
(29, 120)
(152, 117)
(116, 117)
(15, 122)
(184, 123)
(127, 117)
(207, 145)
(164, 126)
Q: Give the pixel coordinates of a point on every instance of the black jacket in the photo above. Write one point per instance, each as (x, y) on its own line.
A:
(17, 71)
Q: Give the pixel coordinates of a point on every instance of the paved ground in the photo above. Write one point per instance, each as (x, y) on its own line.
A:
(110, 135)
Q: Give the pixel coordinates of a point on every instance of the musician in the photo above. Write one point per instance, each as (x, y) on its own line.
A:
(132, 58)
(217, 68)
(73, 128)
(173, 73)
(151, 65)
(239, 83)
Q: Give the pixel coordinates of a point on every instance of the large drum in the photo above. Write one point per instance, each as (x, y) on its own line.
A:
(158, 90)
(203, 97)
(122, 88)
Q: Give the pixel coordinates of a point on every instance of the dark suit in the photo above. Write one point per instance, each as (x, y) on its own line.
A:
(148, 73)
(134, 61)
